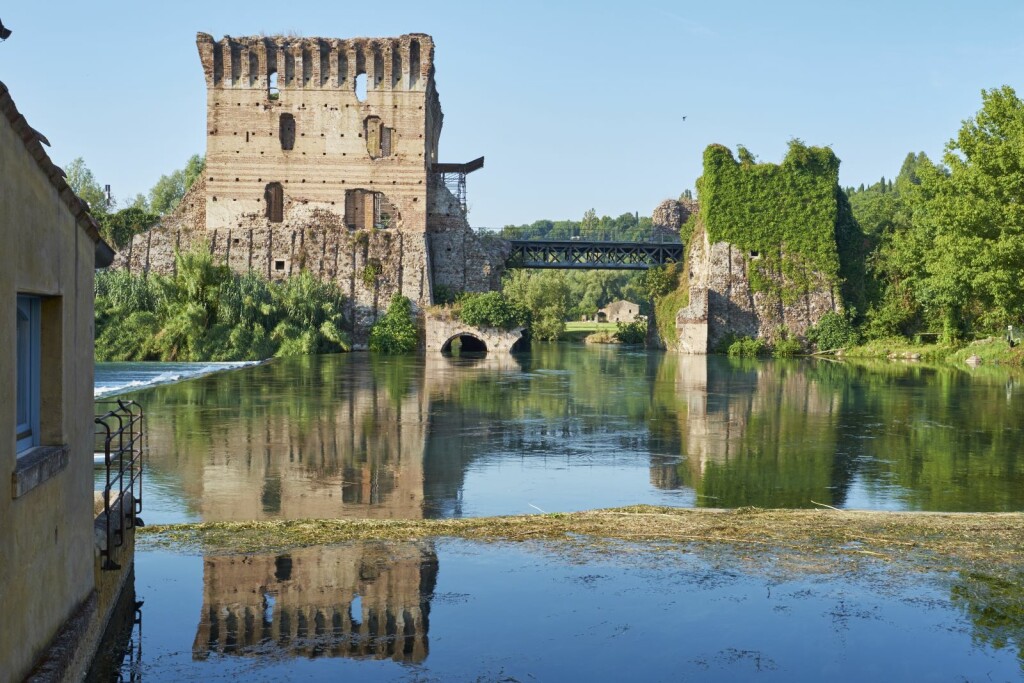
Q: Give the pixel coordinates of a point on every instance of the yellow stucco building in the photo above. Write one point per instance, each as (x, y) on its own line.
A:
(54, 598)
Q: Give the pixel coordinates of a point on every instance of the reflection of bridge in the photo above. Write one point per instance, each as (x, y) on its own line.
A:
(591, 254)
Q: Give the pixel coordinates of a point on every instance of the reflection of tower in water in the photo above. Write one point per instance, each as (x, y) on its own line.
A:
(764, 433)
(327, 438)
(366, 599)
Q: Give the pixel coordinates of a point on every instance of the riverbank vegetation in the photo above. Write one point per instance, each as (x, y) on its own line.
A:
(206, 312)
(395, 332)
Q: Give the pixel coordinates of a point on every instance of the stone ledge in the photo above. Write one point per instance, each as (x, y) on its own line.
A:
(36, 466)
(59, 660)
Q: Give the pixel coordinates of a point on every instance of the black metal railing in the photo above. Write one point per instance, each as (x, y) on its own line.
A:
(120, 440)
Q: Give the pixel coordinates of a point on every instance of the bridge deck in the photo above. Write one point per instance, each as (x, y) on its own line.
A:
(592, 254)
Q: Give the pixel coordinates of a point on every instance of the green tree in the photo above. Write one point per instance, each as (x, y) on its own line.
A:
(978, 212)
(589, 224)
(168, 191)
(119, 227)
(84, 183)
(395, 332)
(492, 309)
(547, 298)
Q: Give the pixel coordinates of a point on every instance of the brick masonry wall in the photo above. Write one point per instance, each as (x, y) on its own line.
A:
(228, 212)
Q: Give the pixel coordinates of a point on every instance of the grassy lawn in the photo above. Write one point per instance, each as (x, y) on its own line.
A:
(590, 327)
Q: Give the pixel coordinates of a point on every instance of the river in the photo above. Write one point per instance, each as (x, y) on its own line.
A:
(572, 427)
(561, 428)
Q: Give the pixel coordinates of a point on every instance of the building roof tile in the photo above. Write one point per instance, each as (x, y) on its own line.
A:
(34, 141)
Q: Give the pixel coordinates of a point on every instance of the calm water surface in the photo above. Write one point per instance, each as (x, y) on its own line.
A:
(564, 428)
(572, 427)
(459, 611)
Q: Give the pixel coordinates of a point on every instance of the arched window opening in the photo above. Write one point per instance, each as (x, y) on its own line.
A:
(273, 92)
(361, 87)
(287, 131)
(273, 196)
(360, 82)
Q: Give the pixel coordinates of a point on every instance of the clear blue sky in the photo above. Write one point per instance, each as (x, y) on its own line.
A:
(575, 105)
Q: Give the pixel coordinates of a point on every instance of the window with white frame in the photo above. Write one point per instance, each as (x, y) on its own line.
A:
(27, 402)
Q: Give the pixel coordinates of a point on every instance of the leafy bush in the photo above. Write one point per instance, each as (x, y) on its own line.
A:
(395, 332)
(632, 333)
(444, 295)
(371, 271)
(743, 347)
(787, 348)
(118, 228)
(833, 331)
(660, 281)
(492, 309)
(206, 312)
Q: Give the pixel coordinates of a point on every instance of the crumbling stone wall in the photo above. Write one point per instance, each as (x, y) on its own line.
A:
(668, 217)
(463, 261)
(723, 303)
(304, 171)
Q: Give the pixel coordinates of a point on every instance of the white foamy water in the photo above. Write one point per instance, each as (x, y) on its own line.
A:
(112, 379)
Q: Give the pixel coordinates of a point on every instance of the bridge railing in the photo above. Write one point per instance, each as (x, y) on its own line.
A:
(639, 235)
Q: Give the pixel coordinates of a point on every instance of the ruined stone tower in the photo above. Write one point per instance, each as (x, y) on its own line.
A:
(322, 155)
(290, 133)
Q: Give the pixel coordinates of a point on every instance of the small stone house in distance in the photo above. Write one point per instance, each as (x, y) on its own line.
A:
(618, 312)
(54, 600)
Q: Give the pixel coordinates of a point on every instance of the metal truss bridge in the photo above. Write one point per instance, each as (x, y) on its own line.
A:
(592, 254)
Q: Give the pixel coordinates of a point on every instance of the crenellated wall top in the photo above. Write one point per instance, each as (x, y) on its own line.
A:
(289, 62)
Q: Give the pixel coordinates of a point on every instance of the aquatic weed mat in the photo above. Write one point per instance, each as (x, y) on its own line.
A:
(990, 542)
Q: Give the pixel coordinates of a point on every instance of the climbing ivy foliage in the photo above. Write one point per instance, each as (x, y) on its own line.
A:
(788, 217)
